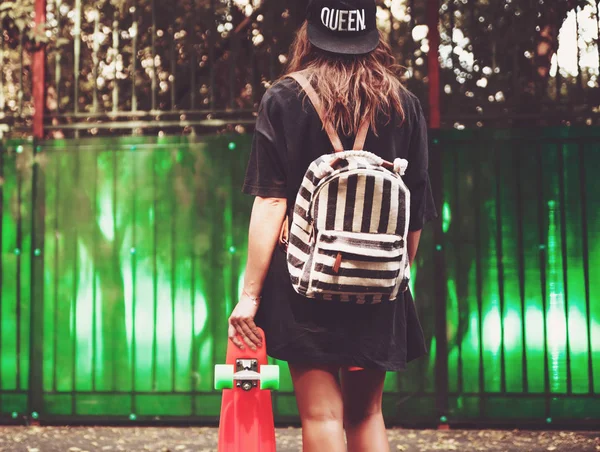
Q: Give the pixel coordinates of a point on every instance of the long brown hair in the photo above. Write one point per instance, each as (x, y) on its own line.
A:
(351, 87)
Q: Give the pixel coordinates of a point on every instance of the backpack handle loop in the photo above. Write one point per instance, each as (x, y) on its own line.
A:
(398, 166)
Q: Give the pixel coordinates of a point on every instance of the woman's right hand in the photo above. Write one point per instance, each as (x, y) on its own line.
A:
(242, 328)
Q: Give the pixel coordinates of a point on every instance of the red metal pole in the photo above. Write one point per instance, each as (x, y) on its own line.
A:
(39, 75)
(433, 17)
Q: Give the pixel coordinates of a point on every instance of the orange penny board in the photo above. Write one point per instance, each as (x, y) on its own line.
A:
(246, 422)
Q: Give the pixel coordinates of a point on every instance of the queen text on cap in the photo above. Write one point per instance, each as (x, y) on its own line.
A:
(343, 20)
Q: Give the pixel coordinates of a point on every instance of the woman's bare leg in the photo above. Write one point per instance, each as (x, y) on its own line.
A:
(362, 395)
(319, 400)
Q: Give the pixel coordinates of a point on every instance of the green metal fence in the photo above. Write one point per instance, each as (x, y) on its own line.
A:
(121, 261)
(521, 249)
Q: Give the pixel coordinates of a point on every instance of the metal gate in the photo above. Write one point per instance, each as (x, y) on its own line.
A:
(121, 261)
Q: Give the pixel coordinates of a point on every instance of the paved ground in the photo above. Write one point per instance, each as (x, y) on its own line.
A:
(79, 439)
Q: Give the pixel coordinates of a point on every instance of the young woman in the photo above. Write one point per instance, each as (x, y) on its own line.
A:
(338, 353)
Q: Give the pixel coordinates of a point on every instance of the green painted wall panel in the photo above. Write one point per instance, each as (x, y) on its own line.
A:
(11, 255)
(491, 341)
(142, 271)
(592, 210)
(452, 201)
(61, 404)
(207, 405)
(574, 271)
(163, 341)
(13, 403)
(509, 284)
(528, 215)
(50, 281)
(102, 405)
(166, 405)
(529, 178)
(556, 331)
(23, 311)
(419, 377)
(145, 243)
(65, 268)
(514, 408)
(464, 219)
(15, 183)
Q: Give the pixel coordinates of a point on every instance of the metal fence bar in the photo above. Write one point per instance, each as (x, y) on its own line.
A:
(597, 16)
(433, 22)
(115, 56)
(75, 289)
(57, 57)
(115, 369)
(193, 57)
(441, 352)
(459, 270)
(173, 76)
(452, 16)
(194, 349)
(479, 277)
(95, 254)
(516, 163)
(149, 114)
(173, 287)
(497, 153)
(95, 60)
(56, 208)
(133, 254)
(234, 42)
(2, 99)
(2, 153)
(134, 38)
(563, 250)
(254, 75)
(77, 54)
(132, 125)
(20, 265)
(559, 81)
(212, 35)
(153, 44)
(543, 257)
(411, 25)
(578, 51)
(21, 69)
(272, 42)
(154, 274)
(36, 323)
(514, 20)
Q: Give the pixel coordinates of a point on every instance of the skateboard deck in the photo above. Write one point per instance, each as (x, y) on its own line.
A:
(246, 422)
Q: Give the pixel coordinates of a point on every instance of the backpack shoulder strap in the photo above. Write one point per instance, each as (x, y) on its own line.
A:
(316, 101)
(361, 136)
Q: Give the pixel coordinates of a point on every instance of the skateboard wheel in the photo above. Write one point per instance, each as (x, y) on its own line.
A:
(223, 376)
(269, 377)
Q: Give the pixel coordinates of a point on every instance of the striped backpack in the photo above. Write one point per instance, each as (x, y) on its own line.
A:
(347, 239)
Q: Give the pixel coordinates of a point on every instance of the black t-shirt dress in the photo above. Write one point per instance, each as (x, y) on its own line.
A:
(288, 137)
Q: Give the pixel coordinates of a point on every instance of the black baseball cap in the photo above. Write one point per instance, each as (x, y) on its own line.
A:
(347, 27)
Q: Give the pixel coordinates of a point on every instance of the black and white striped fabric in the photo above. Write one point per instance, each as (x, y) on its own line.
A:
(347, 240)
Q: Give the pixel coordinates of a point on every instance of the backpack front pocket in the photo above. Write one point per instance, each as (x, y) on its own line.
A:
(353, 264)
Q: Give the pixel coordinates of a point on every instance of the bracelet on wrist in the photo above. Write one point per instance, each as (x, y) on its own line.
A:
(255, 300)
